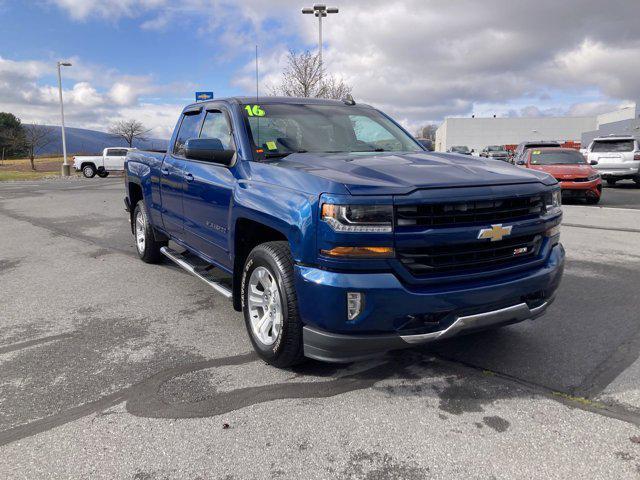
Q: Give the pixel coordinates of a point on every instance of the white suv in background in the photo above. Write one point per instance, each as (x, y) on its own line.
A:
(618, 158)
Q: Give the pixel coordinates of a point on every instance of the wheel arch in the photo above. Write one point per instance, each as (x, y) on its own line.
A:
(248, 234)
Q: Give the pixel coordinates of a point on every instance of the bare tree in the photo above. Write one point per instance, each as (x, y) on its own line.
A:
(428, 132)
(304, 76)
(129, 130)
(35, 138)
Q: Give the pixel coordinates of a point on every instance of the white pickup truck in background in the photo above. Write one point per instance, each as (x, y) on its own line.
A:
(111, 160)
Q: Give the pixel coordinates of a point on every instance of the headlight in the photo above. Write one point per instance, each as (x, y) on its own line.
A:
(359, 218)
(595, 176)
(553, 200)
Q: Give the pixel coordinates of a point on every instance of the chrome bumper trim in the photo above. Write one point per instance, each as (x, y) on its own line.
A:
(512, 314)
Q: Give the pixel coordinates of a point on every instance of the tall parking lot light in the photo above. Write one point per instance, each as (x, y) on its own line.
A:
(319, 11)
(66, 170)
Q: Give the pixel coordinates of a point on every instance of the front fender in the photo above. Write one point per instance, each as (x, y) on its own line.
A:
(286, 210)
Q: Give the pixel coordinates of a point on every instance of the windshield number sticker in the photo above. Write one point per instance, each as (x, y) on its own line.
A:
(535, 152)
(254, 110)
(272, 146)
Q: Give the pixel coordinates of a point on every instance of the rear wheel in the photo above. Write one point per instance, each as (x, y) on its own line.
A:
(611, 181)
(146, 245)
(637, 179)
(89, 171)
(270, 305)
(103, 174)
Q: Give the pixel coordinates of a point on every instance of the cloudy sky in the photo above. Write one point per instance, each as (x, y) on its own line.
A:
(419, 60)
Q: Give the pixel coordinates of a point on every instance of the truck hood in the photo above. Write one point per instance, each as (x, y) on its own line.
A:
(387, 173)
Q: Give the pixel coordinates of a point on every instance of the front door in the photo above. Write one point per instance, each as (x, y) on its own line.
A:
(207, 194)
(172, 171)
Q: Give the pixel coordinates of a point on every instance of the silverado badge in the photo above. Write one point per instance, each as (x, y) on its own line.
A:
(495, 233)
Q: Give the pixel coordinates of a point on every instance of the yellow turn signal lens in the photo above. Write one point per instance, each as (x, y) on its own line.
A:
(360, 252)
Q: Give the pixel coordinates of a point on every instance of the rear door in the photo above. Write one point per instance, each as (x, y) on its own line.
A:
(114, 159)
(172, 174)
(208, 190)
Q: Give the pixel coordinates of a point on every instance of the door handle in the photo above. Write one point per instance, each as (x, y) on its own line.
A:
(164, 171)
(188, 177)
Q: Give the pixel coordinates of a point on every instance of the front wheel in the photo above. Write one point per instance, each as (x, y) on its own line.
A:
(146, 245)
(270, 305)
(637, 179)
(611, 182)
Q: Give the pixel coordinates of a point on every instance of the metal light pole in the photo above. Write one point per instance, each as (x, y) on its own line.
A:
(66, 169)
(319, 11)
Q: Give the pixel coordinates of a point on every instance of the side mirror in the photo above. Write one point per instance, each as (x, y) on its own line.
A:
(208, 150)
(593, 162)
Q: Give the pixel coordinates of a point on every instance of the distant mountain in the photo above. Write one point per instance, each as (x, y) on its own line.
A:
(90, 142)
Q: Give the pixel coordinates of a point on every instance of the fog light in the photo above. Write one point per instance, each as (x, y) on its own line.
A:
(355, 302)
(553, 231)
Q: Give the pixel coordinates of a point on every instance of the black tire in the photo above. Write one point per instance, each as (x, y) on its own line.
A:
(103, 174)
(89, 171)
(637, 180)
(611, 182)
(149, 251)
(593, 200)
(275, 257)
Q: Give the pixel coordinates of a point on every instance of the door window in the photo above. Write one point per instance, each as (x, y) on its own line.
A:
(216, 126)
(188, 129)
(116, 153)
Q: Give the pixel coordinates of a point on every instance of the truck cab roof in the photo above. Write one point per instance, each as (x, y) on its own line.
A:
(269, 100)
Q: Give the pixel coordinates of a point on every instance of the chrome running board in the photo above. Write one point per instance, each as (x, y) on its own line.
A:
(203, 274)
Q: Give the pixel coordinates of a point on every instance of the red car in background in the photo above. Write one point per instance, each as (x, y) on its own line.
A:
(576, 176)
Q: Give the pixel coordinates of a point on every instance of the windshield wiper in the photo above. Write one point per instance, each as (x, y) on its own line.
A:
(282, 154)
(373, 150)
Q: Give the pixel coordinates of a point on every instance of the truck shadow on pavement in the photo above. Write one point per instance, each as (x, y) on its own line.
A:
(456, 389)
(404, 371)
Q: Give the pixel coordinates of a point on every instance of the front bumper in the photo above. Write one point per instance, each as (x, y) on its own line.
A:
(473, 305)
(335, 347)
(581, 189)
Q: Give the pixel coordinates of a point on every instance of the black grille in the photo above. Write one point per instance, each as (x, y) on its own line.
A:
(469, 213)
(470, 256)
(573, 180)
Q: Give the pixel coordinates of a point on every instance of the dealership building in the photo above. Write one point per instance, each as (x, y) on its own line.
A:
(477, 133)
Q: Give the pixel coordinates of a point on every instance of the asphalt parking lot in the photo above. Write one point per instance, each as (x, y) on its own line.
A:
(112, 368)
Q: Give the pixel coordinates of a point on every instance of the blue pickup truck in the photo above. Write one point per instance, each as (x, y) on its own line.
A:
(337, 234)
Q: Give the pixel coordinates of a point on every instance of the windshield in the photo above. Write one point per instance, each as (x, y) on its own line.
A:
(281, 129)
(495, 148)
(460, 149)
(540, 157)
(612, 146)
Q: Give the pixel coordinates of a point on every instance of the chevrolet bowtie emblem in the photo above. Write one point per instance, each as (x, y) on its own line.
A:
(495, 233)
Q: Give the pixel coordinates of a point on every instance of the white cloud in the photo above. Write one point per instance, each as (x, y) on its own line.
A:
(123, 94)
(29, 90)
(418, 60)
